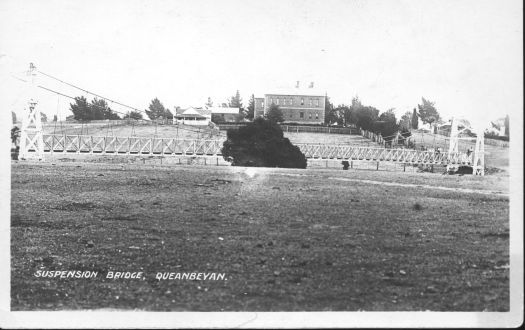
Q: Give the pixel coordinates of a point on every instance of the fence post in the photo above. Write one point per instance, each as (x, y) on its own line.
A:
(377, 168)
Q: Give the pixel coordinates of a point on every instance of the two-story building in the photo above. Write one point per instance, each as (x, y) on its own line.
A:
(299, 105)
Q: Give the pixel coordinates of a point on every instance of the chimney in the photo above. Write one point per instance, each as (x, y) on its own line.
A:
(311, 85)
(297, 86)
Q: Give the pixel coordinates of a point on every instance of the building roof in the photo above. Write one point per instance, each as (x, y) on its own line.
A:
(223, 110)
(297, 91)
(193, 112)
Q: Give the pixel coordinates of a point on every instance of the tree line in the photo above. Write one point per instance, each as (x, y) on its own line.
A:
(98, 109)
(369, 118)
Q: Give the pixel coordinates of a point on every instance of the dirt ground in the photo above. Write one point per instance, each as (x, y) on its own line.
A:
(287, 240)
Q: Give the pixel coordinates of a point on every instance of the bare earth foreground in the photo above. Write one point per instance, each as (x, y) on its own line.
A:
(287, 240)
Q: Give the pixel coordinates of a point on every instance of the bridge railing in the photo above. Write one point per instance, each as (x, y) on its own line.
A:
(86, 144)
(381, 154)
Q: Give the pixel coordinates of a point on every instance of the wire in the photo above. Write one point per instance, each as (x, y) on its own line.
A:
(86, 91)
(95, 105)
(107, 99)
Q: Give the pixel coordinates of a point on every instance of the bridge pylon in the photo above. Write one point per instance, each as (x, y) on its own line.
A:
(478, 166)
(31, 135)
(453, 144)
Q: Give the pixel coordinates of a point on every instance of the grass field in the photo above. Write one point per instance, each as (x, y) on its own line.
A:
(287, 240)
(192, 132)
(141, 129)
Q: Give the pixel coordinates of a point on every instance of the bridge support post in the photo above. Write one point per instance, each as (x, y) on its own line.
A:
(478, 166)
(453, 144)
(31, 137)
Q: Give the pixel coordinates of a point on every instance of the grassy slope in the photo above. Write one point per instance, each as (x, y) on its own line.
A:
(193, 132)
(292, 239)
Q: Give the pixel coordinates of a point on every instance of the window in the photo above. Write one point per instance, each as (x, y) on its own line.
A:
(271, 101)
(310, 115)
(302, 102)
(277, 101)
(301, 114)
(311, 103)
(291, 101)
(316, 102)
(316, 116)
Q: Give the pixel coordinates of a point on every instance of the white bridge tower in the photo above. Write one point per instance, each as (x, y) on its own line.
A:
(478, 164)
(453, 144)
(31, 137)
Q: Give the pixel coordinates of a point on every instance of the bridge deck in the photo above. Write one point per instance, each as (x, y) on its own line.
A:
(112, 145)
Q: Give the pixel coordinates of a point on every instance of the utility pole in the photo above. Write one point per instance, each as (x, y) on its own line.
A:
(31, 138)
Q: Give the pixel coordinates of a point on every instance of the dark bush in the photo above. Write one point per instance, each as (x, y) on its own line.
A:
(261, 144)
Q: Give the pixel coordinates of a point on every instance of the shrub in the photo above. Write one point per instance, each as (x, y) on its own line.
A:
(261, 144)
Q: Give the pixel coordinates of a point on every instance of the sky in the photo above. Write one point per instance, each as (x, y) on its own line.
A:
(464, 55)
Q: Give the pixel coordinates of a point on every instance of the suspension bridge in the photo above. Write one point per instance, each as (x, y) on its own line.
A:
(146, 146)
(34, 145)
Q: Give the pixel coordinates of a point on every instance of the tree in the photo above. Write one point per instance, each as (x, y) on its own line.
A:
(330, 116)
(55, 118)
(97, 110)
(428, 112)
(345, 113)
(251, 108)
(43, 117)
(406, 121)
(352, 116)
(133, 115)
(81, 109)
(209, 103)
(156, 110)
(100, 110)
(235, 101)
(365, 117)
(13, 115)
(275, 114)
(415, 119)
(386, 125)
(261, 143)
(333, 116)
